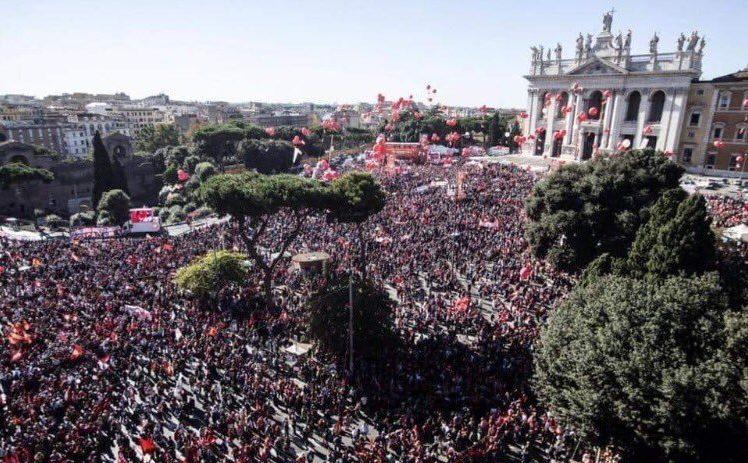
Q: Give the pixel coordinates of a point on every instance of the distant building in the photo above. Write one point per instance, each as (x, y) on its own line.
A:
(604, 95)
(280, 119)
(50, 136)
(141, 117)
(73, 181)
(717, 112)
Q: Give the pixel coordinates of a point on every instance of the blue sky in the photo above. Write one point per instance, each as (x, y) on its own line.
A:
(473, 52)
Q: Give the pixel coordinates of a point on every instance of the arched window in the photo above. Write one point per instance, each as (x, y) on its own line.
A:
(724, 99)
(656, 106)
(632, 110)
(595, 101)
(563, 100)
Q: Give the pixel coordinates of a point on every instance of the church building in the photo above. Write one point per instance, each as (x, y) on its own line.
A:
(606, 97)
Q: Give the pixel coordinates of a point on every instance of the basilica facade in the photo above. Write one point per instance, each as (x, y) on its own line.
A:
(606, 97)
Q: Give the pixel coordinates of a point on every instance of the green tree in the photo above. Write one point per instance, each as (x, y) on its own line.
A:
(328, 317)
(16, 173)
(584, 210)
(207, 275)
(83, 219)
(119, 176)
(151, 138)
(218, 142)
(355, 197)
(676, 239)
(114, 208)
(103, 172)
(204, 170)
(653, 367)
(266, 156)
(253, 199)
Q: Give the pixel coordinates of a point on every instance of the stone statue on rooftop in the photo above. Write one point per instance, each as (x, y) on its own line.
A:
(608, 20)
(681, 41)
(588, 46)
(693, 41)
(580, 46)
(653, 44)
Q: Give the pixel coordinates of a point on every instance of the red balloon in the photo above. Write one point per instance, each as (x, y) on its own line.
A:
(451, 122)
(593, 112)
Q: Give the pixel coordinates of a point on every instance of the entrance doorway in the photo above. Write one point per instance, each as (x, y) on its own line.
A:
(589, 146)
(540, 143)
(556, 151)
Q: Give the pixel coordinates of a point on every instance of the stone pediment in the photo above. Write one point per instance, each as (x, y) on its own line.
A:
(597, 66)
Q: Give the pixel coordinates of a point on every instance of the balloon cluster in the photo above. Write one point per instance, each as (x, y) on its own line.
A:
(331, 125)
(719, 144)
(452, 122)
(453, 138)
(270, 131)
(430, 92)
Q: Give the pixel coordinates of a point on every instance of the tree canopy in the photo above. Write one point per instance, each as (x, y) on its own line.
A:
(657, 368)
(373, 328)
(357, 196)
(210, 273)
(266, 156)
(103, 172)
(114, 208)
(15, 173)
(252, 199)
(151, 138)
(584, 210)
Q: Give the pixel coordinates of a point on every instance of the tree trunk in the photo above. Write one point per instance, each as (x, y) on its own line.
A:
(267, 288)
(361, 250)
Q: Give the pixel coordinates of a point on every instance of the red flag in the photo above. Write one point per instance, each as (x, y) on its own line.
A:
(77, 352)
(526, 272)
(147, 445)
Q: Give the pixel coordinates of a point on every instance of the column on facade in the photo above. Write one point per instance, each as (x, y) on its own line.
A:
(641, 120)
(577, 126)
(550, 119)
(609, 108)
(665, 121)
(570, 118)
(530, 121)
(615, 125)
(676, 123)
(536, 113)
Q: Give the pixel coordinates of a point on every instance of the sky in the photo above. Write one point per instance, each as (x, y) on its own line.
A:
(473, 52)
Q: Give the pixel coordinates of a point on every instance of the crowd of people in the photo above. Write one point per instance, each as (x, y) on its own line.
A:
(727, 211)
(103, 359)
